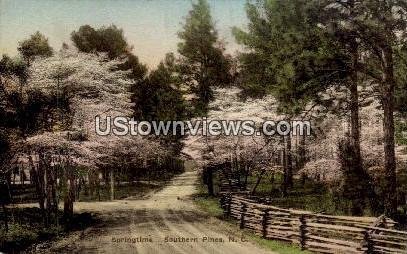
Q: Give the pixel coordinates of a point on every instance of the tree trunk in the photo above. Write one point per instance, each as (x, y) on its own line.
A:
(301, 153)
(14, 177)
(69, 199)
(289, 174)
(47, 187)
(355, 161)
(246, 170)
(272, 179)
(288, 165)
(22, 177)
(4, 199)
(112, 184)
(258, 181)
(37, 178)
(354, 103)
(211, 192)
(284, 161)
(54, 194)
(390, 199)
(70, 193)
(5, 217)
(208, 178)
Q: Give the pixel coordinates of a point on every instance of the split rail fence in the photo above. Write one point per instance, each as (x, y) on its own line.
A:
(316, 232)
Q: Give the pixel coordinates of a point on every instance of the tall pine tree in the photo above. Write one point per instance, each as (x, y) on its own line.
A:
(203, 64)
(286, 56)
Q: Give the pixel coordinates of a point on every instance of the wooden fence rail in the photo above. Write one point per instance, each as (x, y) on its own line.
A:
(316, 232)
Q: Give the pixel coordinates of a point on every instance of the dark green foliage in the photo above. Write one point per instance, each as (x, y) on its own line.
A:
(16, 67)
(105, 39)
(132, 63)
(202, 63)
(401, 77)
(109, 40)
(36, 45)
(401, 132)
(158, 98)
(289, 55)
(86, 39)
(35, 112)
(29, 112)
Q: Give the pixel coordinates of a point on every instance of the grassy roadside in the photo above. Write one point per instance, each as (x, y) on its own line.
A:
(210, 205)
(26, 228)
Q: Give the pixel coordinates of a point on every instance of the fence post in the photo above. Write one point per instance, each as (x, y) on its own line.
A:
(229, 205)
(222, 203)
(226, 201)
(303, 231)
(242, 215)
(368, 242)
(265, 222)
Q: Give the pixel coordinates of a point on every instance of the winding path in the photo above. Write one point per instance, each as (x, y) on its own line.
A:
(169, 213)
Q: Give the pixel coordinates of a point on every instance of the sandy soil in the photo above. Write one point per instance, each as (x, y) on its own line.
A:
(168, 213)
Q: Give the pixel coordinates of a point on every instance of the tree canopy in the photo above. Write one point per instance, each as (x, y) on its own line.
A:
(105, 39)
(36, 45)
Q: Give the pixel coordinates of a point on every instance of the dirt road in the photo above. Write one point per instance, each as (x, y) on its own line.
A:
(165, 222)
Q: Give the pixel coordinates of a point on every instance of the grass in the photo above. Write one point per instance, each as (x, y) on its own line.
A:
(26, 228)
(319, 198)
(211, 206)
(310, 196)
(279, 247)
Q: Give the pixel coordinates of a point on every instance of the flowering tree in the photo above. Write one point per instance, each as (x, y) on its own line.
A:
(94, 87)
(248, 154)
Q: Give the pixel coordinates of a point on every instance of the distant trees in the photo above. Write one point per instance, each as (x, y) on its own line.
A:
(202, 62)
(36, 45)
(158, 98)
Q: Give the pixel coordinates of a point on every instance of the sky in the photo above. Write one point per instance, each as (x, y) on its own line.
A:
(151, 26)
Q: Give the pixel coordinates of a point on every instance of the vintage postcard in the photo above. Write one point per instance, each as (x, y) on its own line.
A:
(203, 126)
